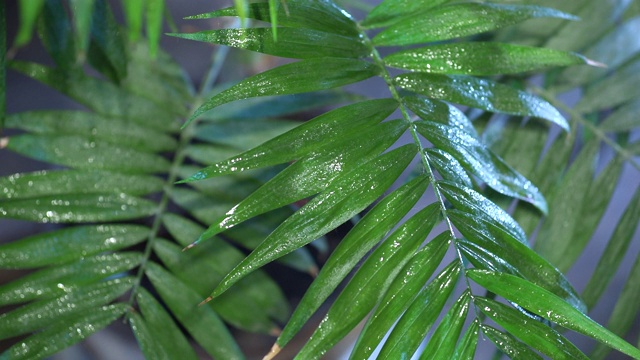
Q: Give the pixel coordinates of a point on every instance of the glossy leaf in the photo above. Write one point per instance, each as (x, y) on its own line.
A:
(625, 311)
(458, 20)
(163, 329)
(291, 42)
(353, 247)
(321, 15)
(472, 202)
(444, 339)
(58, 182)
(101, 96)
(415, 323)
(80, 152)
(400, 295)
(614, 252)
(466, 348)
(508, 344)
(448, 167)
(480, 93)
(200, 321)
(56, 281)
(40, 314)
(480, 58)
(531, 332)
(305, 138)
(549, 306)
(391, 11)
(69, 208)
(312, 174)
(488, 247)
(65, 334)
(94, 126)
(298, 77)
(371, 281)
(64, 245)
(348, 194)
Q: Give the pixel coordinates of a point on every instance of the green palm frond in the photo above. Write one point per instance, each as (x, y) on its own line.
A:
(465, 215)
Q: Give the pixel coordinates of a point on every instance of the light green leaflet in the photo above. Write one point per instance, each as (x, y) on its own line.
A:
(549, 306)
(480, 58)
(350, 192)
(458, 20)
(444, 339)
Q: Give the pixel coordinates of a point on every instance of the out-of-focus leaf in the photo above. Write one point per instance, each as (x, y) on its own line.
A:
(3, 69)
(93, 126)
(56, 281)
(103, 97)
(200, 321)
(82, 10)
(245, 308)
(58, 182)
(458, 20)
(555, 241)
(163, 329)
(56, 34)
(614, 252)
(371, 281)
(312, 174)
(547, 305)
(480, 58)
(392, 11)
(84, 153)
(63, 335)
(347, 195)
(285, 105)
(68, 244)
(107, 50)
(155, 12)
(321, 15)
(616, 89)
(133, 11)
(291, 42)
(415, 323)
(401, 293)
(444, 339)
(623, 119)
(361, 239)
(243, 134)
(298, 77)
(614, 49)
(626, 310)
(533, 333)
(466, 348)
(69, 208)
(28, 14)
(322, 130)
(480, 93)
(596, 17)
(149, 346)
(44, 313)
(509, 345)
